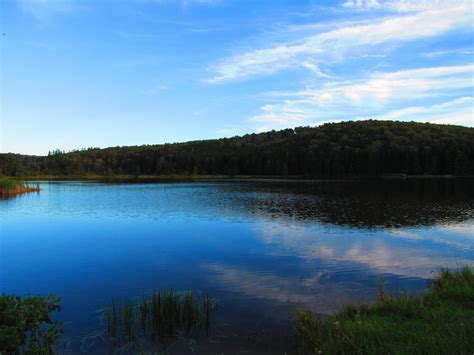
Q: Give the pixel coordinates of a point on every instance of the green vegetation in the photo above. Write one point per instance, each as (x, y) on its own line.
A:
(160, 318)
(439, 322)
(9, 187)
(26, 325)
(9, 184)
(361, 148)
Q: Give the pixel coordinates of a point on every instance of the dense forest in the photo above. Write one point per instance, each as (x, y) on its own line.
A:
(361, 148)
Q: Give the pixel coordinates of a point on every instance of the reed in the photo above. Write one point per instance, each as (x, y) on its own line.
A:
(208, 304)
(144, 312)
(111, 319)
(11, 187)
(160, 318)
(128, 319)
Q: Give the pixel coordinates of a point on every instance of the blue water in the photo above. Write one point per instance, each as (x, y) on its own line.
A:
(261, 248)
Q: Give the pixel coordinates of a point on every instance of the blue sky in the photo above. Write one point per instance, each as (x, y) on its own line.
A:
(81, 73)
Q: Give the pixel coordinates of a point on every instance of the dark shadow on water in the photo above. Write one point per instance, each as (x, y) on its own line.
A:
(361, 204)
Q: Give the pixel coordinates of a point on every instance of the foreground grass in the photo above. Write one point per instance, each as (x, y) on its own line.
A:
(441, 321)
(10, 187)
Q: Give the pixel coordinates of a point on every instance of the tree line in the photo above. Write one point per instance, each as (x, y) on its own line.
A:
(360, 148)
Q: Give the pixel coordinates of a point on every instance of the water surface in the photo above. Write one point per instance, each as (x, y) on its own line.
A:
(262, 248)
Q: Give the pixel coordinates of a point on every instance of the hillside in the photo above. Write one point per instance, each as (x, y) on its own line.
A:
(360, 148)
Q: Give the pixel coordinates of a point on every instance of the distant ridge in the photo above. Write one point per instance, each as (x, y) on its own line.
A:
(353, 148)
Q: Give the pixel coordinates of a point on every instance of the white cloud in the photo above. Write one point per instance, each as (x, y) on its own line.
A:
(450, 52)
(391, 252)
(315, 69)
(202, 1)
(287, 116)
(310, 292)
(412, 22)
(258, 284)
(462, 118)
(44, 10)
(365, 4)
(401, 5)
(187, 3)
(458, 111)
(382, 88)
(381, 95)
(421, 5)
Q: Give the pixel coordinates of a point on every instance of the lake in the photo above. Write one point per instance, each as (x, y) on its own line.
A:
(261, 248)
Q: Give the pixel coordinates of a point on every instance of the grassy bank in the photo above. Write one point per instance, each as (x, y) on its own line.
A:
(11, 187)
(441, 321)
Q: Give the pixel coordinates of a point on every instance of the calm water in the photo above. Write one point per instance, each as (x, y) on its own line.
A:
(261, 248)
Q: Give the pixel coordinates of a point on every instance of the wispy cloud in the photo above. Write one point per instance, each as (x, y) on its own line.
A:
(312, 291)
(457, 111)
(201, 1)
(384, 95)
(410, 22)
(381, 255)
(45, 10)
(187, 3)
(450, 52)
(256, 284)
(362, 4)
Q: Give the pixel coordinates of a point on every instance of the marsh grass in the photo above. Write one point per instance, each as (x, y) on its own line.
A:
(159, 318)
(10, 187)
(441, 321)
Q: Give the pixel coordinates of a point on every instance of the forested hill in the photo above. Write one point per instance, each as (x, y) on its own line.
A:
(360, 148)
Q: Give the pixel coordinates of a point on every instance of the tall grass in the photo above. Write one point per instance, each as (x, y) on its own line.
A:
(159, 318)
(441, 321)
(8, 184)
(10, 187)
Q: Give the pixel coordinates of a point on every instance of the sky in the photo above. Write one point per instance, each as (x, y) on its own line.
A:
(100, 73)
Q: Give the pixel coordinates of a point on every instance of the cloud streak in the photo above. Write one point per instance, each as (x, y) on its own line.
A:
(335, 45)
(384, 95)
(44, 10)
(391, 252)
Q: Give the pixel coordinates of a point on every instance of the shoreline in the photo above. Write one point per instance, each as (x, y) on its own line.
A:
(18, 191)
(145, 178)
